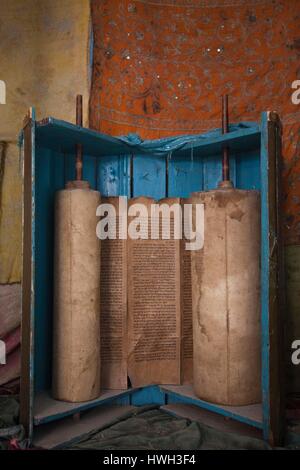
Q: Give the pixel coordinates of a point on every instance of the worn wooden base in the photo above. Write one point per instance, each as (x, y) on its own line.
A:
(250, 414)
(58, 434)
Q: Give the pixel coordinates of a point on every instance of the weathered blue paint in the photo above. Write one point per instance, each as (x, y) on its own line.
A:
(113, 175)
(185, 174)
(148, 395)
(123, 401)
(69, 166)
(89, 171)
(149, 176)
(62, 136)
(247, 166)
(33, 264)
(265, 274)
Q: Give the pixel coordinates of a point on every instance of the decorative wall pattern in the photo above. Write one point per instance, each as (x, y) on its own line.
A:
(160, 68)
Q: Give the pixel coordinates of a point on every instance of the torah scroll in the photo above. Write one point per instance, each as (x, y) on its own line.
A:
(76, 349)
(226, 299)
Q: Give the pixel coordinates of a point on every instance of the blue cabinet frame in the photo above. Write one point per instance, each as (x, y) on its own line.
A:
(132, 168)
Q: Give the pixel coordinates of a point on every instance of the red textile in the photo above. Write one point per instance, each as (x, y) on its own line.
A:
(160, 67)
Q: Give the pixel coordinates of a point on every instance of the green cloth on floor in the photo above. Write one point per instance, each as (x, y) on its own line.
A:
(9, 411)
(154, 429)
(9, 419)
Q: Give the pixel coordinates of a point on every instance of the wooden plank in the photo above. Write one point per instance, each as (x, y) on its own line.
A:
(277, 359)
(277, 297)
(47, 409)
(272, 282)
(251, 414)
(27, 321)
(265, 274)
(62, 136)
(56, 435)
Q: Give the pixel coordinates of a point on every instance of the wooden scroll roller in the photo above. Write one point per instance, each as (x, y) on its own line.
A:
(76, 322)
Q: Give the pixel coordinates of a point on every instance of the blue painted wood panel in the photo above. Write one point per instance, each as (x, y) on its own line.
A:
(89, 170)
(148, 395)
(248, 175)
(185, 174)
(49, 171)
(62, 136)
(212, 171)
(113, 175)
(265, 275)
(69, 167)
(149, 176)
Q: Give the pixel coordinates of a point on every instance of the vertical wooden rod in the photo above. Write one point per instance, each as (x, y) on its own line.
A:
(225, 130)
(131, 177)
(167, 176)
(79, 110)
(79, 150)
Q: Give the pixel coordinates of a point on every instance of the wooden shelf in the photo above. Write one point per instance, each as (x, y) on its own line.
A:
(61, 136)
(46, 409)
(56, 434)
(250, 414)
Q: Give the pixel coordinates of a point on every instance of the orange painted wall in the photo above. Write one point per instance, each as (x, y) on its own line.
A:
(160, 67)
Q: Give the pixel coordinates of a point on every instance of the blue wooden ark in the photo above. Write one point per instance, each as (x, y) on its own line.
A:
(172, 167)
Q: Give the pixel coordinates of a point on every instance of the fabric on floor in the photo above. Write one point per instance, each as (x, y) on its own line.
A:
(11, 433)
(9, 412)
(154, 429)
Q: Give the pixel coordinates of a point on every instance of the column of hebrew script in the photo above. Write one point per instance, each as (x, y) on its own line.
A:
(154, 317)
(113, 328)
(186, 316)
